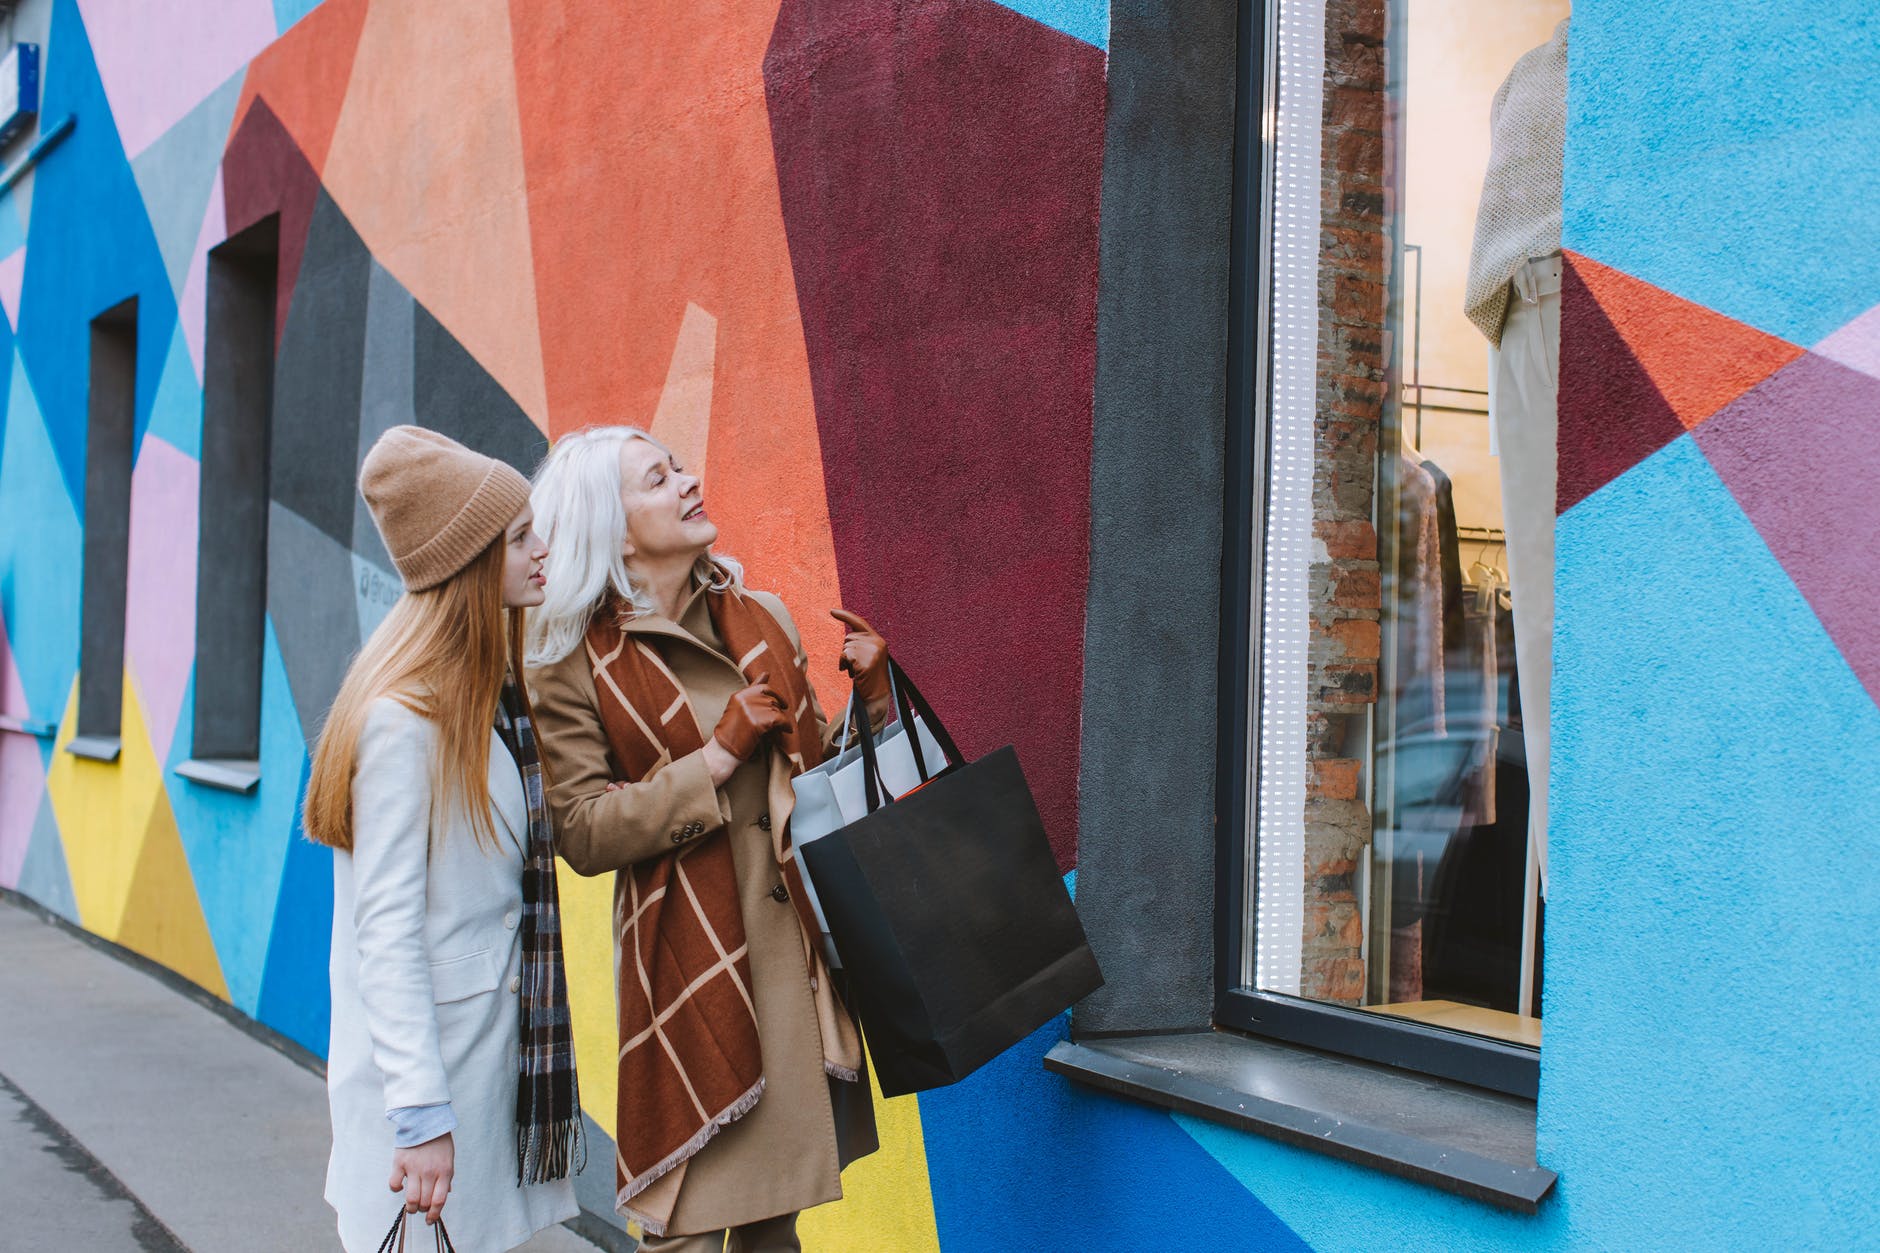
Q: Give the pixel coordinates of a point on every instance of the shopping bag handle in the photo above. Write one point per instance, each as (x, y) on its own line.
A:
(397, 1234)
(908, 701)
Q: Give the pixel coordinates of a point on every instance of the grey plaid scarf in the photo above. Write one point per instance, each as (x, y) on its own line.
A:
(548, 1107)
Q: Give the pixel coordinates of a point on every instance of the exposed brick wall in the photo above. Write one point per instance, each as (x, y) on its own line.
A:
(1354, 293)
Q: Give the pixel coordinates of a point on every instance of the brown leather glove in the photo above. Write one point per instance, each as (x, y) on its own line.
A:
(864, 656)
(753, 713)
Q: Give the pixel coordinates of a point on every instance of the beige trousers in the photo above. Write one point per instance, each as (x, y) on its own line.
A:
(772, 1235)
(1523, 408)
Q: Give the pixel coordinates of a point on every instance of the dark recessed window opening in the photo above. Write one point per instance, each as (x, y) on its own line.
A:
(237, 413)
(111, 422)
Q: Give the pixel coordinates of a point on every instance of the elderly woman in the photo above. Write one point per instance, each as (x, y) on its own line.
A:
(674, 707)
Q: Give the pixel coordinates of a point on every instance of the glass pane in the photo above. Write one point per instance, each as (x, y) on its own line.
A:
(1400, 861)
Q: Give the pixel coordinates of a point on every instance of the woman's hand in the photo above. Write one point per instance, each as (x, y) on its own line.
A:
(865, 657)
(753, 713)
(423, 1174)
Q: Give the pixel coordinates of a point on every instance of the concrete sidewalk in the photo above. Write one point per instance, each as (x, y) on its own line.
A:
(133, 1118)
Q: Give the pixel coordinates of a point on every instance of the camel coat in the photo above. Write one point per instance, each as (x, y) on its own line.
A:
(426, 963)
(788, 1152)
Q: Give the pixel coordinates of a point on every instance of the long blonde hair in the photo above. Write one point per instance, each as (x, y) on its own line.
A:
(442, 653)
(578, 510)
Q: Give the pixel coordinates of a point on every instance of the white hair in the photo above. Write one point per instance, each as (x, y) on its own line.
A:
(576, 494)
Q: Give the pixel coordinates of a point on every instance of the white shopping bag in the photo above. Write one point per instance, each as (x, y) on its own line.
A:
(833, 794)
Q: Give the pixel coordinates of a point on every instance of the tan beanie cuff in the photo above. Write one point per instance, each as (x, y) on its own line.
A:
(497, 500)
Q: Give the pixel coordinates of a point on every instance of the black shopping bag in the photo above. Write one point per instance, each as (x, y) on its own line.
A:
(957, 936)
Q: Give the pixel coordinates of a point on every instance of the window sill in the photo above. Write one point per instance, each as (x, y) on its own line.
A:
(1448, 1135)
(26, 726)
(226, 773)
(103, 748)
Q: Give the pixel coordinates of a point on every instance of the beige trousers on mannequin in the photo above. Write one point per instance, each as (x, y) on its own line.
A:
(1525, 383)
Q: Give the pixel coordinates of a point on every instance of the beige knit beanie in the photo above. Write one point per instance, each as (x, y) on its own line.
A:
(437, 504)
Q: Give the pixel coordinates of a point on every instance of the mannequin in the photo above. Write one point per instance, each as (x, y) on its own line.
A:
(1513, 296)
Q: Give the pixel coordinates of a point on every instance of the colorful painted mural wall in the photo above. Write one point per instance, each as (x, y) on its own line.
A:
(842, 254)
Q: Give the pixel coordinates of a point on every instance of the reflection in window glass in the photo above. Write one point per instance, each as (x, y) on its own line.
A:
(1413, 298)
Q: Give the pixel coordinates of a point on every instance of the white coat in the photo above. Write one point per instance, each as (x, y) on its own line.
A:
(426, 963)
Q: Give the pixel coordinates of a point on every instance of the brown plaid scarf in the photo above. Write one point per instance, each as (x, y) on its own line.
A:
(690, 1058)
(548, 1103)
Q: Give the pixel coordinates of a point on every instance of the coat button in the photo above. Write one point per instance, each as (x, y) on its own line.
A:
(515, 983)
(694, 828)
(678, 837)
(780, 894)
(509, 920)
(763, 822)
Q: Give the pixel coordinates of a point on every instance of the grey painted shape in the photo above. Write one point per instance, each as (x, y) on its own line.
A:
(111, 413)
(1449, 1135)
(237, 418)
(317, 377)
(1145, 867)
(376, 589)
(176, 174)
(310, 599)
(456, 395)
(44, 875)
(385, 401)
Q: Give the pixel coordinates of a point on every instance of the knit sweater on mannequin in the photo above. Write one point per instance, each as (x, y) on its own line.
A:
(1519, 215)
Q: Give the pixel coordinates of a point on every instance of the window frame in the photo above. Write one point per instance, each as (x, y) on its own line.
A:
(1238, 1006)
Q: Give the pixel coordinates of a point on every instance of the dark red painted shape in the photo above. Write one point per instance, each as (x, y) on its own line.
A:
(940, 164)
(263, 172)
(1612, 416)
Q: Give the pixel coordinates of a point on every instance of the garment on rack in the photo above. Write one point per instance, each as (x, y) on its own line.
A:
(1418, 604)
(1450, 554)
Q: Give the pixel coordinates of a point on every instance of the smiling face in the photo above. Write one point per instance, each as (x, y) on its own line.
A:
(523, 554)
(665, 508)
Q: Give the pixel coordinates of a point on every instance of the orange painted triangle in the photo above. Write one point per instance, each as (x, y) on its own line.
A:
(1699, 359)
(304, 74)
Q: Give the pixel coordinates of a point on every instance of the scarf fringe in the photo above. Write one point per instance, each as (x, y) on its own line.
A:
(647, 1178)
(844, 1073)
(547, 1153)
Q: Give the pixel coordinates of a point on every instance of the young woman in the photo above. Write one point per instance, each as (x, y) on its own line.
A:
(675, 707)
(451, 1069)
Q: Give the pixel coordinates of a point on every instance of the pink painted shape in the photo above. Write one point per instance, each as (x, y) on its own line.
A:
(1856, 345)
(160, 614)
(22, 774)
(158, 61)
(192, 304)
(12, 280)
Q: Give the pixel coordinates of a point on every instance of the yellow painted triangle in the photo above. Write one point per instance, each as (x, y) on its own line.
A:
(163, 918)
(587, 945)
(103, 810)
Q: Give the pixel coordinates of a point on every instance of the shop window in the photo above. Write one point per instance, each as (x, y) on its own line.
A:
(111, 408)
(231, 584)
(1389, 866)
